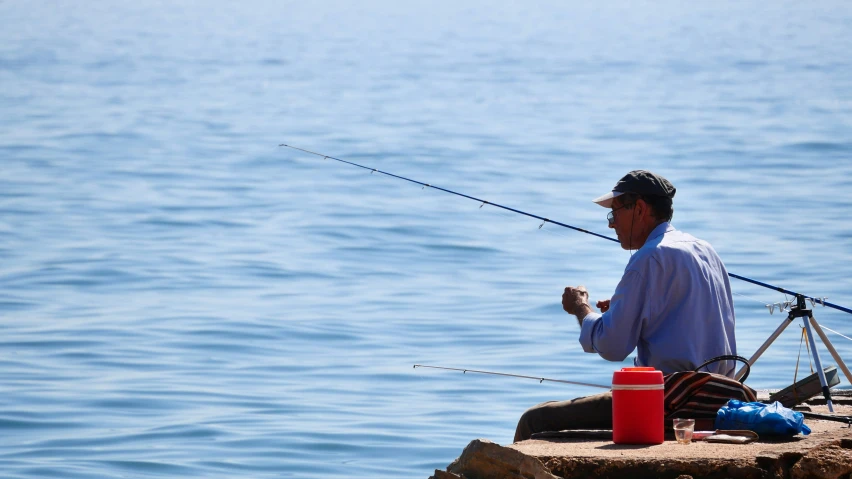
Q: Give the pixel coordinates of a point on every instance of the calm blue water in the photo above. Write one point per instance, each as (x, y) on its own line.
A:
(182, 298)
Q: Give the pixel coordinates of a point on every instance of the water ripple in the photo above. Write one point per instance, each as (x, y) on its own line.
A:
(182, 297)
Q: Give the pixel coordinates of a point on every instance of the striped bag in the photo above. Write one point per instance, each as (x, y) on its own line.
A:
(699, 395)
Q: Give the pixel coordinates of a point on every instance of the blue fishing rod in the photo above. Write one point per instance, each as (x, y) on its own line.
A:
(544, 220)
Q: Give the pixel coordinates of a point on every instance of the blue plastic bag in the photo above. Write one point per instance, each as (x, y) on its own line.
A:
(764, 419)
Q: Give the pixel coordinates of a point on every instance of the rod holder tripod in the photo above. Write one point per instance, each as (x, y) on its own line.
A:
(801, 311)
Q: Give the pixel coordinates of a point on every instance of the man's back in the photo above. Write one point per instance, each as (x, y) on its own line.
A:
(690, 315)
(673, 305)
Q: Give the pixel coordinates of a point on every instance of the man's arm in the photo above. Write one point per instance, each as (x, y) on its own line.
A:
(615, 334)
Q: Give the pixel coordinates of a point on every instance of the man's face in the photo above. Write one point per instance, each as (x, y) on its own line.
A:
(621, 222)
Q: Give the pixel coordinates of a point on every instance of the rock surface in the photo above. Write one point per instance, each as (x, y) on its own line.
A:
(826, 453)
(483, 459)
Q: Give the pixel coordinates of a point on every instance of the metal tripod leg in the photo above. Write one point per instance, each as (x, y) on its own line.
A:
(786, 322)
(815, 354)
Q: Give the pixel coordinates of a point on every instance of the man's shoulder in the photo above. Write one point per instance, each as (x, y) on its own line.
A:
(671, 242)
(669, 235)
(674, 236)
(681, 247)
(666, 242)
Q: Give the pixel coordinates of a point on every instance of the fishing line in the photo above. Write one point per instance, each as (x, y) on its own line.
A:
(835, 332)
(749, 297)
(544, 220)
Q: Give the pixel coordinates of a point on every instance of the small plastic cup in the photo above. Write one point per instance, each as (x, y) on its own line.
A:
(683, 430)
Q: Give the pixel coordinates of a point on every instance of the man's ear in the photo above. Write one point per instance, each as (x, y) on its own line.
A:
(641, 207)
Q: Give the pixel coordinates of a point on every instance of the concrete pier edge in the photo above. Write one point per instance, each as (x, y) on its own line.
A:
(825, 453)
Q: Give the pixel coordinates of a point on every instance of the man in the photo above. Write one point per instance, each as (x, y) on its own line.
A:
(673, 303)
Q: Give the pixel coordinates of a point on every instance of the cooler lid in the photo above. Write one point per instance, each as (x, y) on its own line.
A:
(638, 375)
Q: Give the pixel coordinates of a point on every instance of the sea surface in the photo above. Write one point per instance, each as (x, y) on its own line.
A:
(181, 297)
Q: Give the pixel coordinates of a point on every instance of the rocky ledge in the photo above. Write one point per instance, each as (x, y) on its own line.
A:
(825, 453)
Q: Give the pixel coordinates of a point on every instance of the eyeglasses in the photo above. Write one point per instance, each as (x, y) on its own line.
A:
(611, 216)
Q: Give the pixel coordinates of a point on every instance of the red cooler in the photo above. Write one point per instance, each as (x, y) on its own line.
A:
(637, 406)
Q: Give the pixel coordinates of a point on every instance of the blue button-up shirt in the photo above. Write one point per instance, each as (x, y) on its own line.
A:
(673, 305)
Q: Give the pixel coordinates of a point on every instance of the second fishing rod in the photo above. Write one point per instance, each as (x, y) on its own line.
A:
(812, 299)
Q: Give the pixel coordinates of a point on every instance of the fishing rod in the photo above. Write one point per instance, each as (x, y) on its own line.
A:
(544, 220)
(540, 380)
(484, 202)
(809, 415)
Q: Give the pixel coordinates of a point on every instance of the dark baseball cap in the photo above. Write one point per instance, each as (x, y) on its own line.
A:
(641, 182)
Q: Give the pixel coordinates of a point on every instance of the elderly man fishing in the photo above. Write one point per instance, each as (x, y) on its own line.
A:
(673, 303)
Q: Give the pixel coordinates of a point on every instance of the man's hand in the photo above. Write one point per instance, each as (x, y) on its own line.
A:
(603, 305)
(576, 301)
